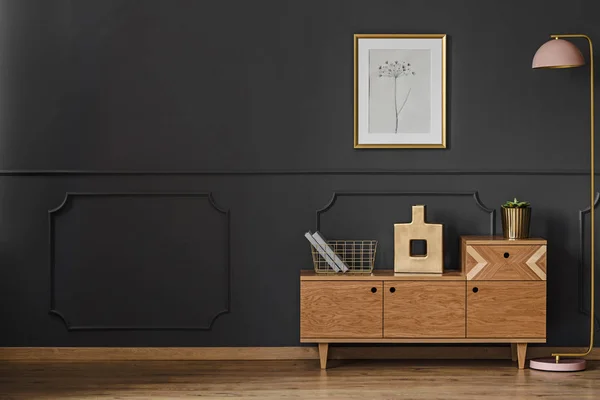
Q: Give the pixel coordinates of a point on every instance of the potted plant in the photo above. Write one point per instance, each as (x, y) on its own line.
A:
(516, 218)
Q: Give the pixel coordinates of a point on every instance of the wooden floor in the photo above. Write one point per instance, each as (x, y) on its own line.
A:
(293, 380)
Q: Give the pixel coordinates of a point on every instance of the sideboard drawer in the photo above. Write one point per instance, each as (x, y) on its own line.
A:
(424, 309)
(505, 262)
(506, 309)
(349, 309)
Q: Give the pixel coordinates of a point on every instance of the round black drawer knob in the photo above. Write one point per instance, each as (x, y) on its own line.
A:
(475, 290)
(392, 289)
(506, 255)
(374, 290)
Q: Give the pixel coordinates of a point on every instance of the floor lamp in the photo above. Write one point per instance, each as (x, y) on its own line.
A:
(560, 53)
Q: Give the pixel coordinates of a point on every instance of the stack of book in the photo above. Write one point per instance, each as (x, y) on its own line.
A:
(320, 244)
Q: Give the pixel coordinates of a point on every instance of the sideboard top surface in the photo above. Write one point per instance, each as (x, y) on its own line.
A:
(448, 275)
(381, 275)
(499, 240)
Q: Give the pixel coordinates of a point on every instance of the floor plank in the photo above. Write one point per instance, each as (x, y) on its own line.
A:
(269, 380)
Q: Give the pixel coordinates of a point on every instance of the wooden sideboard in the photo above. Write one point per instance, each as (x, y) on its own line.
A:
(498, 296)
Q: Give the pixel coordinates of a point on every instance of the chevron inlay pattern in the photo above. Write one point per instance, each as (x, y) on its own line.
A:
(478, 259)
(506, 262)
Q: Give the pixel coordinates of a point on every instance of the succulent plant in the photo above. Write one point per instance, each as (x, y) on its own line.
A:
(516, 204)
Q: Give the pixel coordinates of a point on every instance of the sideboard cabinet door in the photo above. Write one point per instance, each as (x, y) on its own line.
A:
(348, 309)
(506, 309)
(424, 309)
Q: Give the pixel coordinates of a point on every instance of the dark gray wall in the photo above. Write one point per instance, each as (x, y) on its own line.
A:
(198, 139)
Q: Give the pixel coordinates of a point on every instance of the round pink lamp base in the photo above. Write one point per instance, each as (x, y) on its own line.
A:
(563, 365)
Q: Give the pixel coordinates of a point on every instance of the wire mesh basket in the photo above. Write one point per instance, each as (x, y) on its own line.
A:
(358, 255)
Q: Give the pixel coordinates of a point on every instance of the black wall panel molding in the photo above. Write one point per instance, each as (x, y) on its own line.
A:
(124, 100)
(582, 213)
(250, 172)
(62, 209)
(474, 195)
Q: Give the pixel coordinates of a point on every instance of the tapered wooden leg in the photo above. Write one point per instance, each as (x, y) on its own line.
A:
(513, 351)
(323, 349)
(521, 353)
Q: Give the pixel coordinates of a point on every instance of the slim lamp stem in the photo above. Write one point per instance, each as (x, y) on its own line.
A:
(592, 196)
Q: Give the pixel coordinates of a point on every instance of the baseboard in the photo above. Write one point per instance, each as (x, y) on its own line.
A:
(85, 354)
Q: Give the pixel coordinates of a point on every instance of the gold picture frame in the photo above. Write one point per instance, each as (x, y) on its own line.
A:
(436, 136)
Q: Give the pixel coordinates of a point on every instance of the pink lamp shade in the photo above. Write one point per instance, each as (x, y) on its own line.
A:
(558, 53)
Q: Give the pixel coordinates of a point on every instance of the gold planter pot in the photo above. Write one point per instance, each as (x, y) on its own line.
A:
(515, 222)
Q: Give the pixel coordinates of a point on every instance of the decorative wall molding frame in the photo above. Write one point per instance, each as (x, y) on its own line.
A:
(474, 195)
(60, 209)
(77, 172)
(582, 213)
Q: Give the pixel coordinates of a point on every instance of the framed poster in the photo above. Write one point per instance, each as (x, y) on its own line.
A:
(399, 91)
